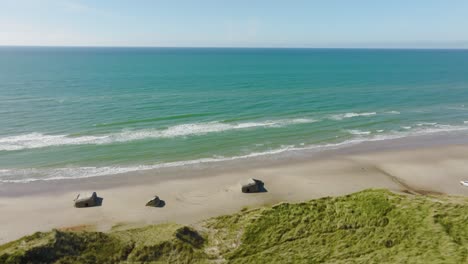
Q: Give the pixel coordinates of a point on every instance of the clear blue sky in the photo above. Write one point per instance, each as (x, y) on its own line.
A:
(236, 23)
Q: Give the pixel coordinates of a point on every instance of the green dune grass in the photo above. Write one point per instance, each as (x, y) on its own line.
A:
(372, 226)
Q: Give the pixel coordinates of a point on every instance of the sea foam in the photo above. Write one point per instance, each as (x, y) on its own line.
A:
(359, 132)
(350, 115)
(32, 174)
(39, 140)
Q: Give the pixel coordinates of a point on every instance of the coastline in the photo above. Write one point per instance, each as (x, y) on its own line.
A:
(431, 165)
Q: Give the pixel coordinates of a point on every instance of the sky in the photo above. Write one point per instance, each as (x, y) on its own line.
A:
(236, 23)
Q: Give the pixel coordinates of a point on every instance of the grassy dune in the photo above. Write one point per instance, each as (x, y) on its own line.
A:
(372, 226)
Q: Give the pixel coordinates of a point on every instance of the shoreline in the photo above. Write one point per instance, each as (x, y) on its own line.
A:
(211, 169)
(290, 153)
(195, 193)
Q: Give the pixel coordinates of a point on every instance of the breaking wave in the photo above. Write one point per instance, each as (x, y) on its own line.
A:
(359, 132)
(350, 115)
(32, 174)
(39, 140)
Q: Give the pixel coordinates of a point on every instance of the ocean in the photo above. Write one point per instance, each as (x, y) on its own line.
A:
(69, 113)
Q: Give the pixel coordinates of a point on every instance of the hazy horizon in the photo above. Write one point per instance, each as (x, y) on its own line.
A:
(241, 24)
(234, 47)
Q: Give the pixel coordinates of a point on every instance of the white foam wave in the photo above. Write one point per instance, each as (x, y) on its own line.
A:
(30, 175)
(39, 140)
(438, 128)
(426, 124)
(350, 115)
(393, 112)
(10, 176)
(359, 132)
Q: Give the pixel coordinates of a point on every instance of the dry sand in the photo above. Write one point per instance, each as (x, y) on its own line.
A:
(191, 198)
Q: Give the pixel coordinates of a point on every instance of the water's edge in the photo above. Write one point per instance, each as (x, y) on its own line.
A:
(211, 169)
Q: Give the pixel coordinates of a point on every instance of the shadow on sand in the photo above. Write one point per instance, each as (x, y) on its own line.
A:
(161, 204)
(261, 186)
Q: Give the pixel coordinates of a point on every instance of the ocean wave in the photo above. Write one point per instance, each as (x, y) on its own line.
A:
(39, 140)
(11, 175)
(27, 175)
(31, 175)
(350, 115)
(24, 175)
(358, 132)
(426, 124)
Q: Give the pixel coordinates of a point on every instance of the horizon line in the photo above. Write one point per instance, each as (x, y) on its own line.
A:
(231, 47)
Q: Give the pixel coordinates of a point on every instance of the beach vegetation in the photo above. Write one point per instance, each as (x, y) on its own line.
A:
(371, 226)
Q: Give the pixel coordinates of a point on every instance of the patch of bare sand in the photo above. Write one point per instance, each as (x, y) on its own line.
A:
(191, 199)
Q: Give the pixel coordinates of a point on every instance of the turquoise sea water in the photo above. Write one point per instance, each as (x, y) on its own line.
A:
(84, 112)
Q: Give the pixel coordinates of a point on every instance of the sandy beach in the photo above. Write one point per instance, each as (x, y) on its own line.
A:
(193, 194)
